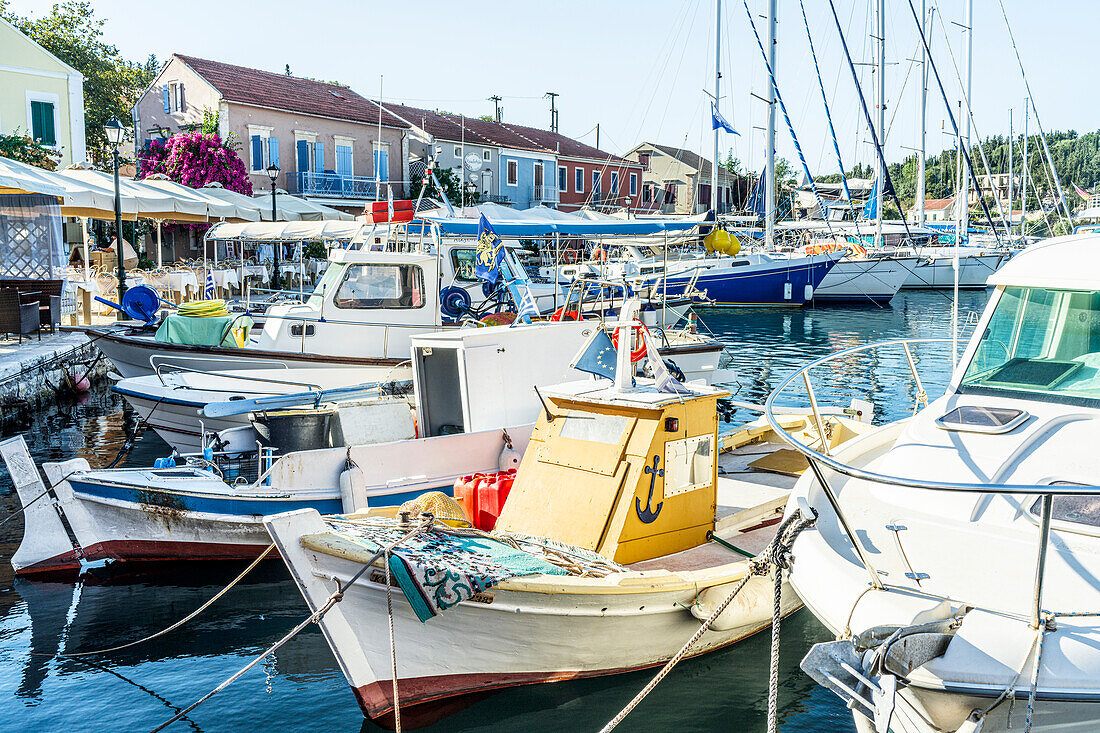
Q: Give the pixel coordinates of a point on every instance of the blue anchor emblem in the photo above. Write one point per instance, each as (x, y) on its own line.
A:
(646, 515)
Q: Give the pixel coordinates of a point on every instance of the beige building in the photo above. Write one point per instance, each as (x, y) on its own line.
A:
(935, 210)
(678, 181)
(41, 95)
(324, 137)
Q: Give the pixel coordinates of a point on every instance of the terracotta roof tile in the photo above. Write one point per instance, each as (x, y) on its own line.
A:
(290, 93)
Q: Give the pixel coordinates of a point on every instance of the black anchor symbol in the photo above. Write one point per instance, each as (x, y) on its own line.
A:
(646, 515)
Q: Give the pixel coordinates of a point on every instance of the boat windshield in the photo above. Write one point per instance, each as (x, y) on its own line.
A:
(1040, 344)
(327, 281)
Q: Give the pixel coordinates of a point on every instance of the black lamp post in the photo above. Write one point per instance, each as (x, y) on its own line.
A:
(273, 173)
(115, 132)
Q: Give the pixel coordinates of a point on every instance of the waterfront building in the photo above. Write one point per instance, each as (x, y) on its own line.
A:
(325, 138)
(41, 95)
(678, 181)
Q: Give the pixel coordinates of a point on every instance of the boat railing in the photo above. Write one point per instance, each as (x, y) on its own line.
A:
(159, 369)
(821, 460)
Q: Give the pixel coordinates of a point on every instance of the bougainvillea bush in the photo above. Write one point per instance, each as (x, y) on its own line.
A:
(195, 159)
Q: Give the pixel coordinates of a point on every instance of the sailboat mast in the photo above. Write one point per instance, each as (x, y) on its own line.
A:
(969, 64)
(880, 108)
(769, 152)
(922, 159)
(1011, 193)
(717, 96)
(1023, 178)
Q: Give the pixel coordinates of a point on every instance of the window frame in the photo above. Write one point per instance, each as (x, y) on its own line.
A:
(458, 152)
(596, 190)
(563, 179)
(346, 276)
(633, 184)
(578, 179)
(511, 174)
(487, 155)
(44, 98)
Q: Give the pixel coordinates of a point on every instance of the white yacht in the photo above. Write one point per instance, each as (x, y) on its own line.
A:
(956, 553)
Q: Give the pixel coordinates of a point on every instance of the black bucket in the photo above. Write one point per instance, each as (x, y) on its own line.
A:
(293, 430)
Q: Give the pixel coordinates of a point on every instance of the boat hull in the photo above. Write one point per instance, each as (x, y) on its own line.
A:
(937, 271)
(864, 281)
(778, 282)
(524, 631)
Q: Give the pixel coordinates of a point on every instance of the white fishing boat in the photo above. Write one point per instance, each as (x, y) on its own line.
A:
(474, 395)
(955, 552)
(619, 535)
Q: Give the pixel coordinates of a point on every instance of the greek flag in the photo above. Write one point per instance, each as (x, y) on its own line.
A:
(209, 291)
(717, 121)
(664, 381)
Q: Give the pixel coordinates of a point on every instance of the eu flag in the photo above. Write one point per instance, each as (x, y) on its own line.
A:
(598, 356)
(490, 251)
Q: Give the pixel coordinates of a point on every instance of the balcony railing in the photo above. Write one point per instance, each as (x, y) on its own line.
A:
(495, 198)
(335, 185)
(546, 193)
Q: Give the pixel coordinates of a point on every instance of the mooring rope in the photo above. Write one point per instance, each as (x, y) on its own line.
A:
(186, 618)
(315, 617)
(393, 645)
(778, 550)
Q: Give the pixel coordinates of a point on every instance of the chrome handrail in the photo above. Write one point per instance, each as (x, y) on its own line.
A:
(818, 459)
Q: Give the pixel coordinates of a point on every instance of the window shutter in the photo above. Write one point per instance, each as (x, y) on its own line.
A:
(383, 165)
(183, 101)
(165, 98)
(273, 150)
(319, 157)
(303, 155)
(257, 153)
(49, 136)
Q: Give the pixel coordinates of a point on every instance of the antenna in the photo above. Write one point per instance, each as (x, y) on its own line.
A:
(553, 110)
(496, 99)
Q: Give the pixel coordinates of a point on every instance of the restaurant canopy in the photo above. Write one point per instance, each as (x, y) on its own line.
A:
(16, 177)
(579, 227)
(138, 199)
(216, 208)
(304, 210)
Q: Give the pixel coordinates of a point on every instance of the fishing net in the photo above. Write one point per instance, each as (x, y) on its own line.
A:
(439, 505)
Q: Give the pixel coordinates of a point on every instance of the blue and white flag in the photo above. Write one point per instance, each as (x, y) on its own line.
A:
(663, 380)
(209, 291)
(490, 252)
(389, 202)
(718, 121)
(597, 356)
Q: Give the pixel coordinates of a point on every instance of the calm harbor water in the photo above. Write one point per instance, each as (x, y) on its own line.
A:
(301, 688)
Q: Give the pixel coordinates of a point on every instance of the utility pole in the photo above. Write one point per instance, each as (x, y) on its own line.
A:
(496, 99)
(553, 110)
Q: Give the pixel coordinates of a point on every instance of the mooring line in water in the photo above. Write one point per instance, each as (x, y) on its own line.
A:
(186, 618)
(315, 617)
(776, 555)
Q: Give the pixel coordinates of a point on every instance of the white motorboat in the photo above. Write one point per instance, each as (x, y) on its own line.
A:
(934, 267)
(955, 553)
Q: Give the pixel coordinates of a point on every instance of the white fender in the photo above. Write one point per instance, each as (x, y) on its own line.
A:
(751, 607)
(353, 489)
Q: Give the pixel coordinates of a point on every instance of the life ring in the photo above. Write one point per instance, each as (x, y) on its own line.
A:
(637, 354)
(454, 301)
(563, 315)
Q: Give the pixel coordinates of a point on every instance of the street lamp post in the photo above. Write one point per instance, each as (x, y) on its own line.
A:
(115, 132)
(273, 173)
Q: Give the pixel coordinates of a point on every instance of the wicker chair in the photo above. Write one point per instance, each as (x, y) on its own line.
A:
(18, 317)
(49, 308)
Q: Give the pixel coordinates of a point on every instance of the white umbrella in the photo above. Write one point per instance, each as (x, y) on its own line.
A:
(16, 177)
(304, 210)
(216, 208)
(138, 199)
(219, 191)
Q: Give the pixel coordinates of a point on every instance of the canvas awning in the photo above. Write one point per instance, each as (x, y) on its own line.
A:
(16, 177)
(263, 207)
(138, 200)
(216, 208)
(304, 210)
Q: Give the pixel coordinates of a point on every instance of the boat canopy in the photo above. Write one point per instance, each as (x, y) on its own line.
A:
(287, 230)
(580, 227)
(1071, 262)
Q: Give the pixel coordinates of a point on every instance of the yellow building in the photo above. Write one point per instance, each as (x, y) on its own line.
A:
(42, 95)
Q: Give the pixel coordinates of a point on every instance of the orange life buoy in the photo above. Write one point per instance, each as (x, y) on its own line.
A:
(563, 315)
(637, 354)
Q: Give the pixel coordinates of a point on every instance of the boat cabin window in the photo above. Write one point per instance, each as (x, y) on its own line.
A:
(1040, 344)
(595, 427)
(1076, 508)
(688, 464)
(463, 261)
(381, 286)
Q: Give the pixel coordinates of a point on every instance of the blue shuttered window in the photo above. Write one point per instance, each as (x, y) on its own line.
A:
(303, 156)
(273, 150)
(382, 164)
(165, 98)
(319, 157)
(343, 160)
(257, 153)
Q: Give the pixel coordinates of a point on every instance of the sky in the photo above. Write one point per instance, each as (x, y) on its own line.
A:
(639, 68)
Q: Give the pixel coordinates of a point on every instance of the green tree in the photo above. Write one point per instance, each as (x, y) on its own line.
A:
(112, 84)
(451, 183)
(732, 163)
